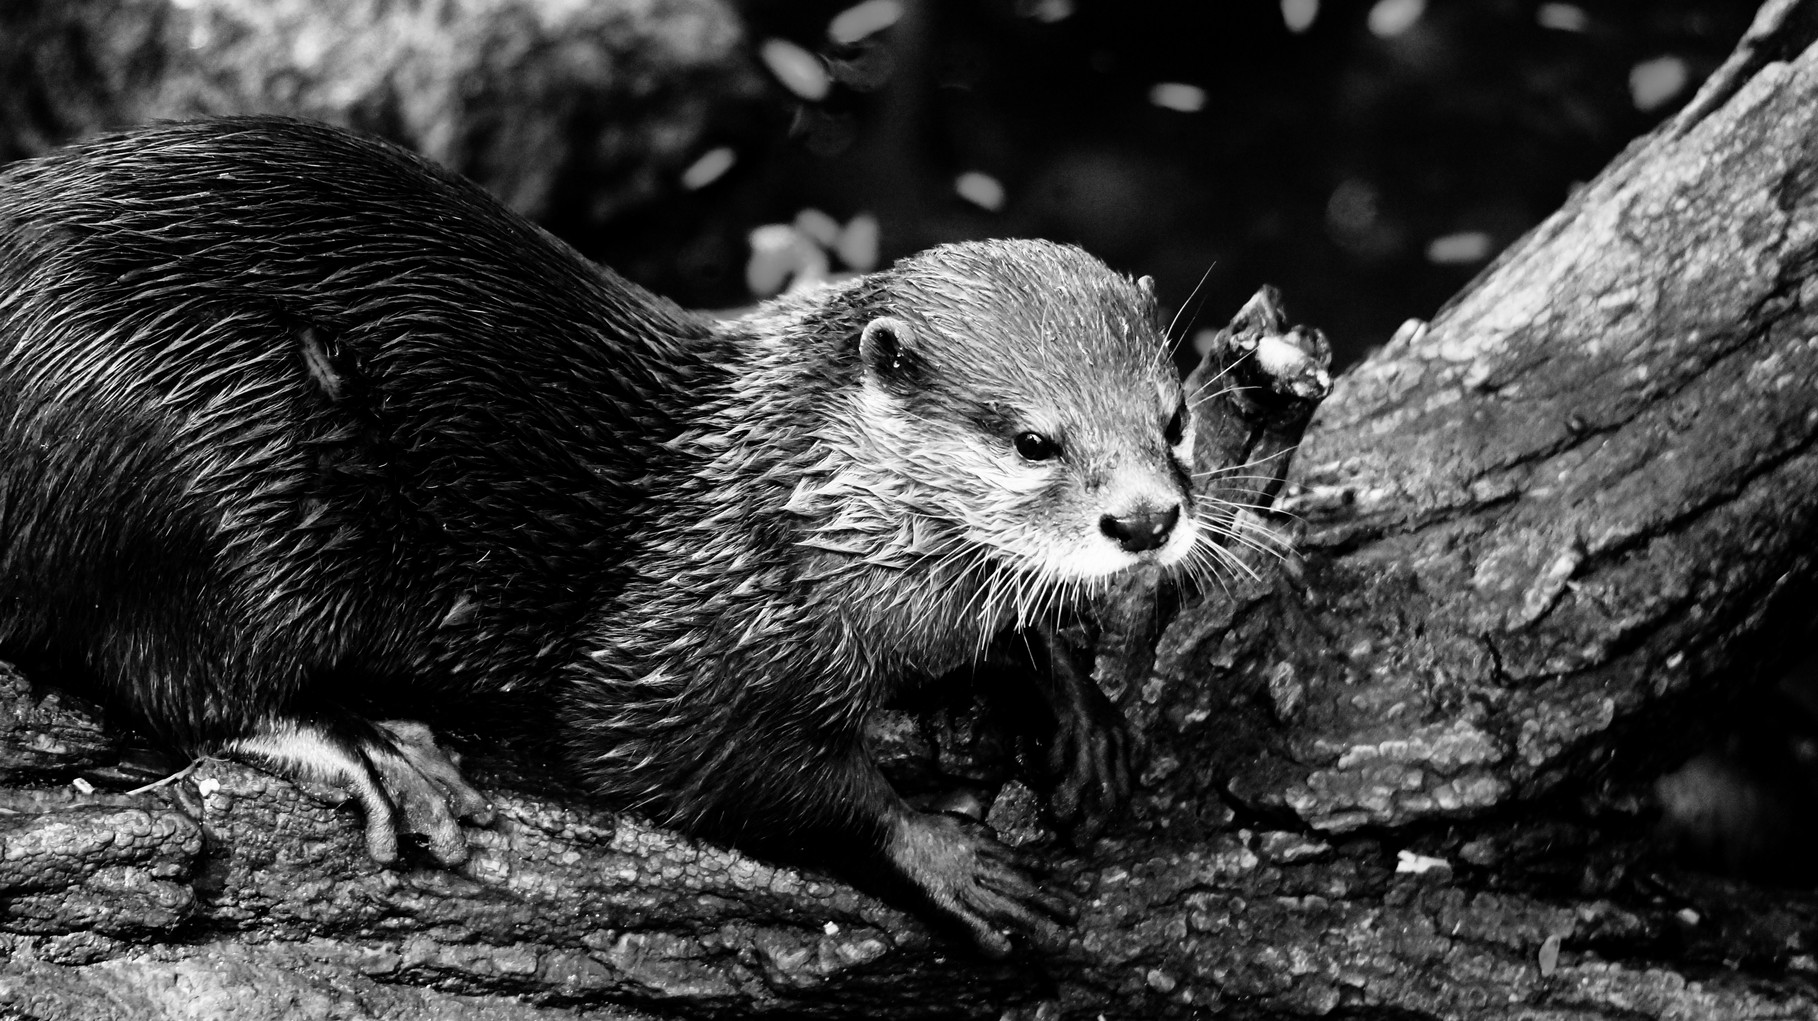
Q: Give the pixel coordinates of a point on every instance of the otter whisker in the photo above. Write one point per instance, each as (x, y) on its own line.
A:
(1199, 396)
(1232, 473)
(1229, 556)
(1261, 510)
(1243, 523)
(1202, 565)
(1169, 332)
(1247, 541)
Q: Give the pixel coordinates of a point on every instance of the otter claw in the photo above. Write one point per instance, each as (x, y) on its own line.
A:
(1090, 748)
(427, 790)
(1091, 755)
(977, 884)
(402, 780)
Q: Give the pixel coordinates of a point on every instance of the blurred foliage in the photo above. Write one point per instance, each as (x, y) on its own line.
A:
(1367, 157)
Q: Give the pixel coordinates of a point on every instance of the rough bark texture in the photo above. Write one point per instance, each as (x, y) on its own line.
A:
(1541, 538)
(1540, 541)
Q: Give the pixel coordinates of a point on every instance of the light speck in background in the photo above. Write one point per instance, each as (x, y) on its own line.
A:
(1049, 11)
(781, 254)
(1654, 83)
(858, 243)
(1466, 246)
(1563, 17)
(824, 229)
(1178, 96)
(857, 22)
(1390, 18)
(800, 72)
(1299, 15)
(980, 189)
(712, 165)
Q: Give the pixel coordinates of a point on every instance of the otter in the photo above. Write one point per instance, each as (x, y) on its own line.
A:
(291, 418)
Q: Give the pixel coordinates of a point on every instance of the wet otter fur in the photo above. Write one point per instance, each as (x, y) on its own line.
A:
(289, 417)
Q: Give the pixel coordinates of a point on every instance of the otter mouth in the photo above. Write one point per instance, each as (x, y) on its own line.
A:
(1208, 544)
(1103, 557)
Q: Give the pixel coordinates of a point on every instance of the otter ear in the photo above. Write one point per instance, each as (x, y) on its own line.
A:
(1146, 284)
(884, 350)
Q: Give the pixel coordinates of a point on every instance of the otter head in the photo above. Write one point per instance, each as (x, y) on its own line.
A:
(1021, 392)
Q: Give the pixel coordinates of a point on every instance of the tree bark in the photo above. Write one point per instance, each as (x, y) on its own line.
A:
(1400, 774)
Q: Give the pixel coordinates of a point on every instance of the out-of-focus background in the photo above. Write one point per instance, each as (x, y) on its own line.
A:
(1367, 157)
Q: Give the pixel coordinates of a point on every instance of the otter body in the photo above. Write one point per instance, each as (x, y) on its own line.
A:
(290, 417)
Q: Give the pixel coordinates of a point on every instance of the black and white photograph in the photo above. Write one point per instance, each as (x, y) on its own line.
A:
(1020, 510)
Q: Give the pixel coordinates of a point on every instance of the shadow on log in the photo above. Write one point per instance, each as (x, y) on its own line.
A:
(1404, 776)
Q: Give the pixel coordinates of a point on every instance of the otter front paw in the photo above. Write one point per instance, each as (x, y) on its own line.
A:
(404, 782)
(1088, 753)
(977, 883)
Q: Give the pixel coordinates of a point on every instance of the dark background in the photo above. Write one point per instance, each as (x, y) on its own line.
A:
(1326, 161)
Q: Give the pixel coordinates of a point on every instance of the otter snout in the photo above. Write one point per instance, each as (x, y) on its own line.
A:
(1146, 528)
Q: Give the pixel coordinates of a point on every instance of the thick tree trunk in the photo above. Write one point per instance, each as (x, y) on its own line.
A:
(1541, 538)
(1397, 778)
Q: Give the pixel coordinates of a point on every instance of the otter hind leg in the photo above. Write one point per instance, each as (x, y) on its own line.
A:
(402, 779)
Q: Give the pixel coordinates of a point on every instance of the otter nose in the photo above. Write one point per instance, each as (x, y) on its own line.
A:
(1144, 530)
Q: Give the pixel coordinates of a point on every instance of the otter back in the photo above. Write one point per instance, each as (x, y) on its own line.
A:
(271, 395)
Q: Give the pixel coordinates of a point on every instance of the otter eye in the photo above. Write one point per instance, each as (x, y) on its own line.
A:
(1036, 447)
(1176, 428)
